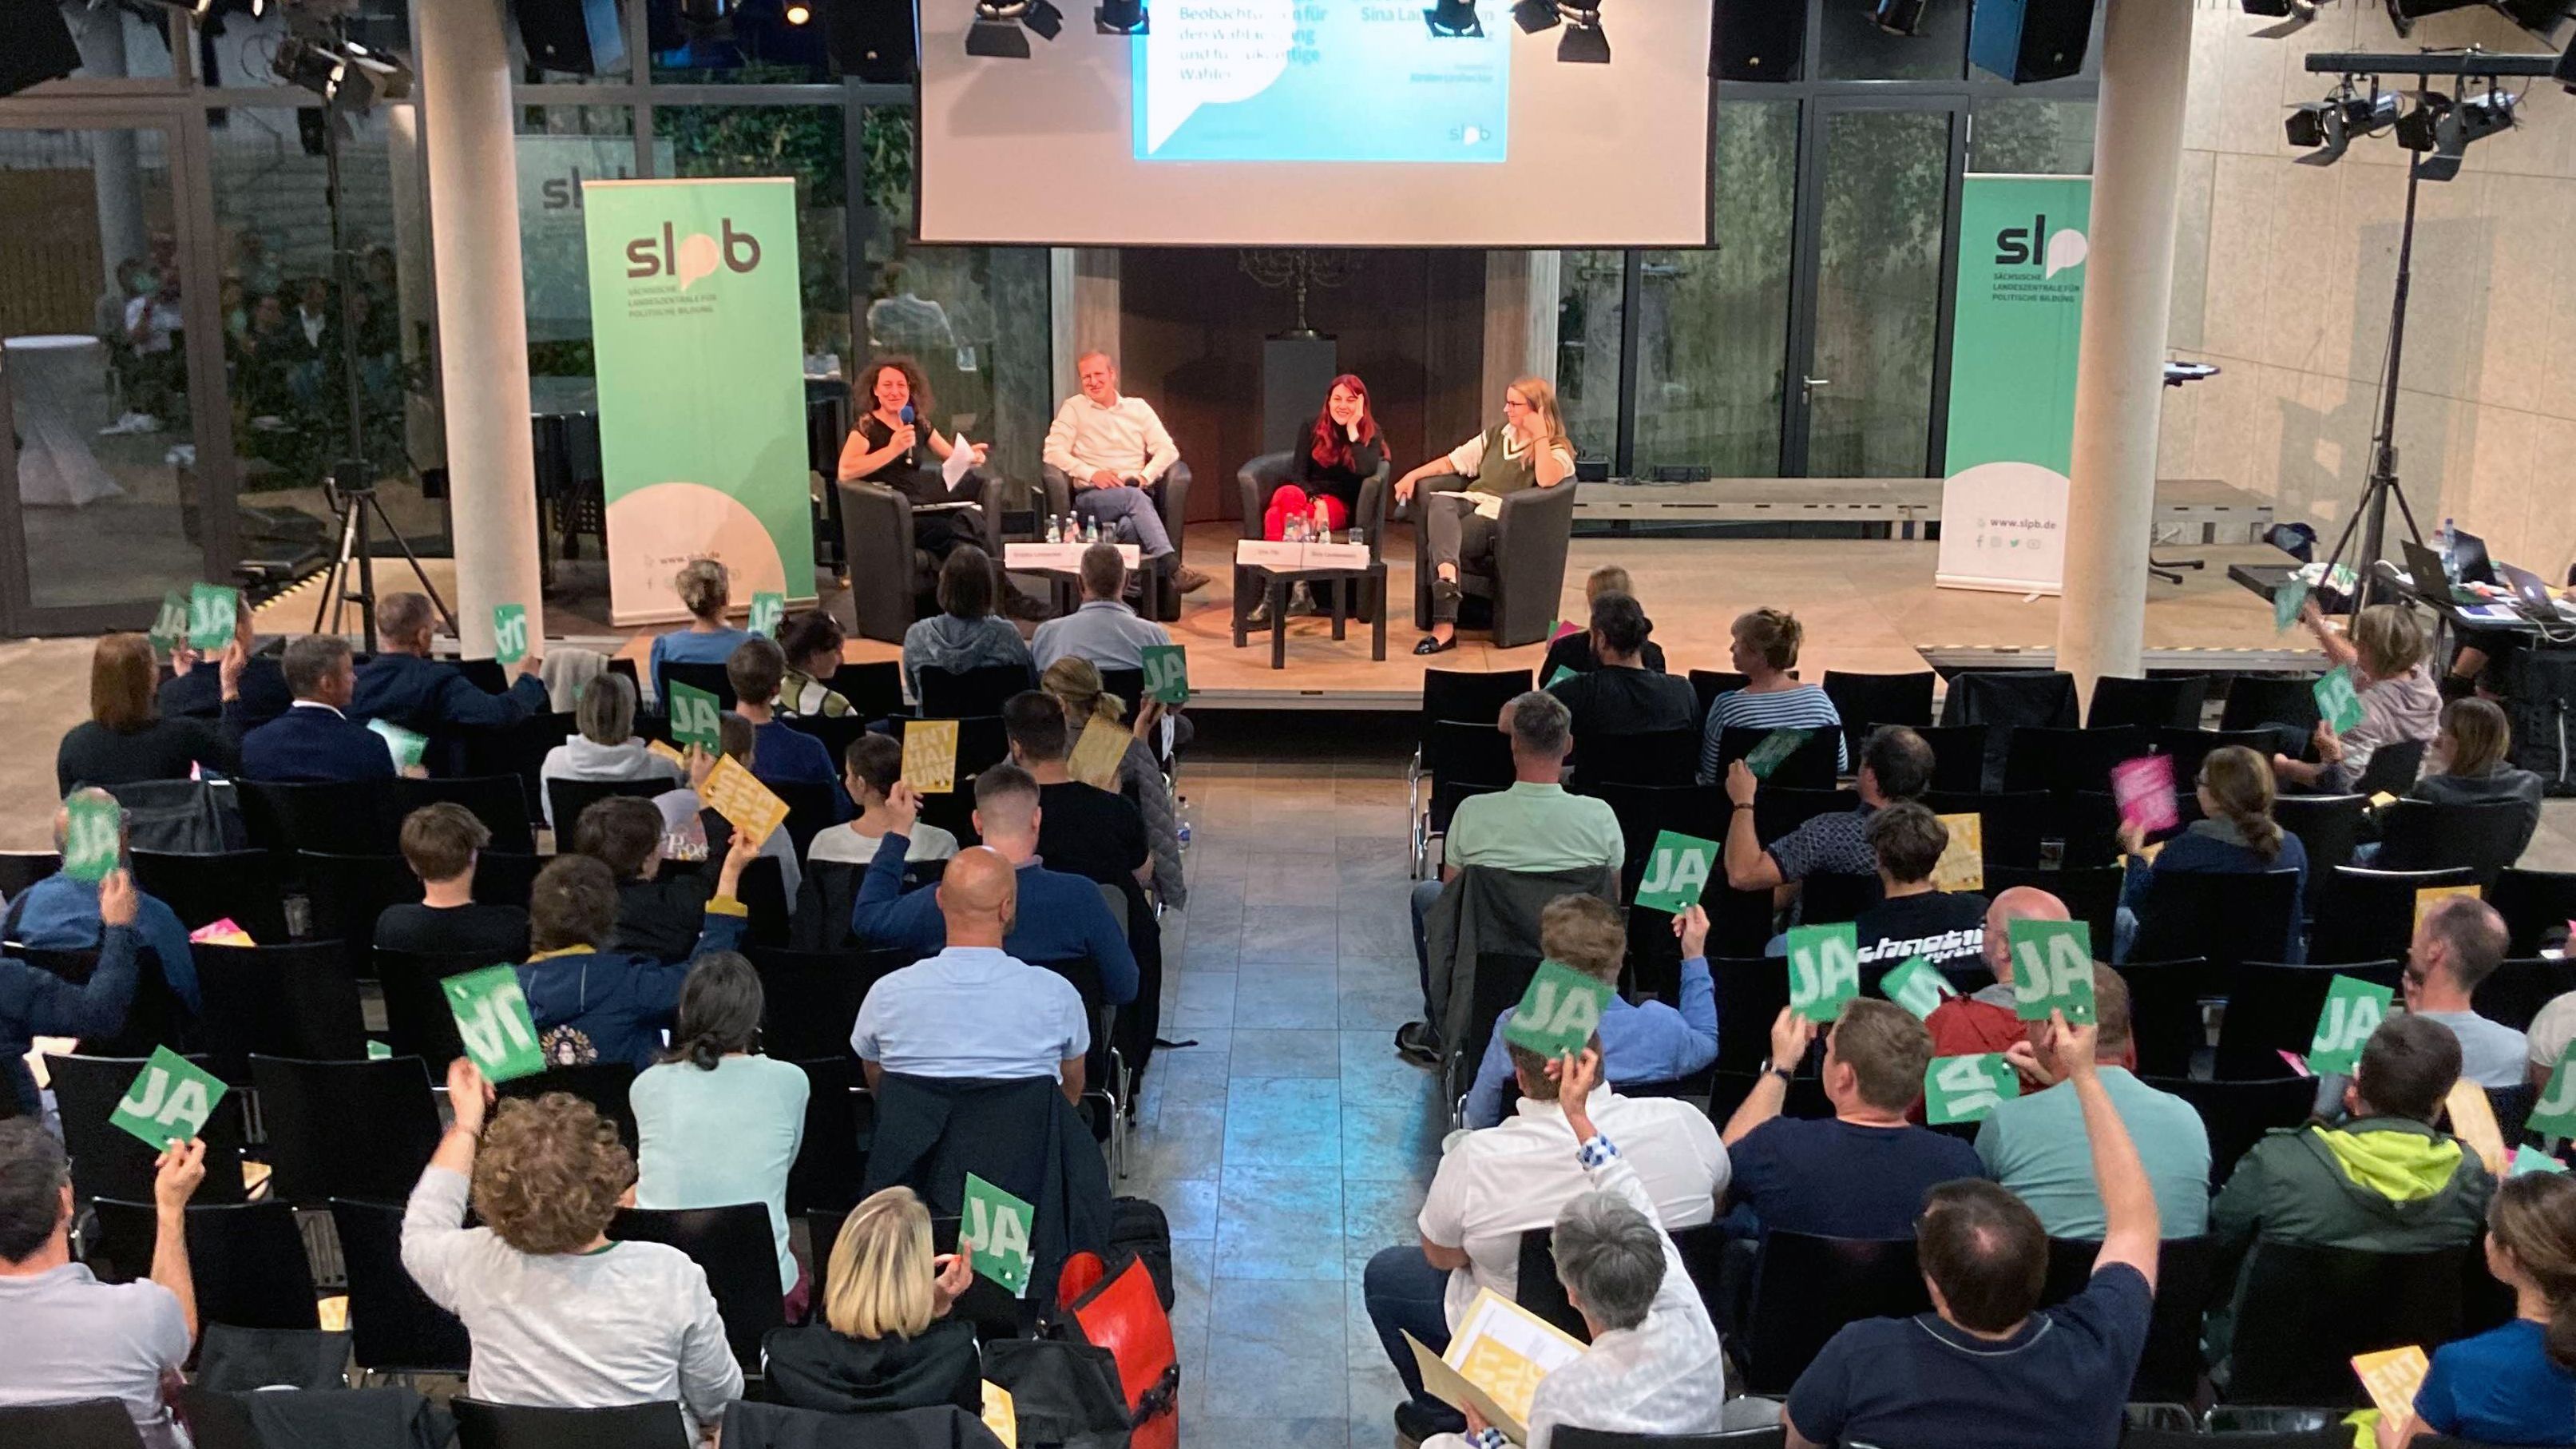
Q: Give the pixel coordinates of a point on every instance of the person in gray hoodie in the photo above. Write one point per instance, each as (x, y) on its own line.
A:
(965, 633)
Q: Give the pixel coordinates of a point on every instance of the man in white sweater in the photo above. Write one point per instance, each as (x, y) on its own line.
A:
(1115, 449)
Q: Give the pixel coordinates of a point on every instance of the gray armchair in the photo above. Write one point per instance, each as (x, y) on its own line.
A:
(1261, 477)
(889, 575)
(1171, 495)
(1529, 560)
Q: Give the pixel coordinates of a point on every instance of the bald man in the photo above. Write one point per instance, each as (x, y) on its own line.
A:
(975, 1010)
(1986, 1021)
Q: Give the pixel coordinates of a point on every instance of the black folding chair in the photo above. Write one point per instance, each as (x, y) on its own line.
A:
(294, 1000)
(2171, 702)
(1751, 994)
(348, 893)
(1780, 809)
(810, 808)
(812, 998)
(2068, 760)
(395, 1327)
(2010, 826)
(875, 691)
(1708, 684)
(418, 1020)
(566, 799)
(735, 1247)
(1866, 701)
(979, 691)
(2481, 839)
(505, 879)
(1828, 897)
(2221, 918)
(108, 1161)
(240, 885)
(2288, 707)
(499, 801)
(2329, 830)
(344, 815)
(1807, 1288)
(1649, 757)
(1813, 765)
(20, 869)
(2392, 769)
(629, 1426)
(1474, 696)
(1501, 980)
(2238, 1113)
(709, 677)
(518, 751)
(831, 1169)
(357, 1129)
(1461, 760)
(1958, 757)
(1729, 1086)
(247, 1259)
(2516, 990)
(2305, 1312)
(2091, 895)
(604, 1085)
(2164, 1013)
(89, 1424)
(2273, 1008)
(2188, 748)
(2534, 903)
(2169, 1369)
(2369, 915)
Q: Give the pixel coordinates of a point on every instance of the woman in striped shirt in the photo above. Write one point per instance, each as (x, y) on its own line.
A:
(1765, 650)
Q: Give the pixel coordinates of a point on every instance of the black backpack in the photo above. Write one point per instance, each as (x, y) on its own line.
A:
(2539, 689)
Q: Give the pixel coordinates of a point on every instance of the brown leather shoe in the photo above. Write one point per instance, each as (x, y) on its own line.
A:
(1191, 580)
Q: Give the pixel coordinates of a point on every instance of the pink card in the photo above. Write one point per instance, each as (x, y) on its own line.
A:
(2145, 789)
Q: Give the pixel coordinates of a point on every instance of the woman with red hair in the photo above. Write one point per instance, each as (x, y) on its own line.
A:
(1330, 462)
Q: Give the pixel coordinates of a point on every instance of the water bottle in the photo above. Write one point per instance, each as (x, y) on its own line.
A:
(1355, 536)
(1091, 531)
(1055, 528)
(1294, 530)
(1181, 809)
(1323, 523)
(2447, 543)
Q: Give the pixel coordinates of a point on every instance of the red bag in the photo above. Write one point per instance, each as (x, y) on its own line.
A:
(1123, 1313)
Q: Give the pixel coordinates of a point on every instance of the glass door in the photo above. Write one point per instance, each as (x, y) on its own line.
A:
(1870, 332)
(114, 458)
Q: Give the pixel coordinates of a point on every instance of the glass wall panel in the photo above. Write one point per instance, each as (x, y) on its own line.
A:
(758, 42)
(2013, 135)
(119, 44)
(1589, 316)
(1878, 292)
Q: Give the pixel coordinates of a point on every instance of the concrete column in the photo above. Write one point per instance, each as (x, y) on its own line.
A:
(1521, 296)
(418, 299)
(2119, 382)
(115, 170)
(464, 65)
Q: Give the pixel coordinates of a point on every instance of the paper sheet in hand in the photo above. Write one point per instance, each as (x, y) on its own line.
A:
(1001, 1415)
(2473, 1122)
(961, 461)
(930, 755)
(406, 746)
(1097, 754)
(1962, 866)
(1495, 1360)
(748, 805)
(2052, 970)
(2353, 1009)
(2392, 1377)
(169, 1101)
(2144, 788)
(93, 837)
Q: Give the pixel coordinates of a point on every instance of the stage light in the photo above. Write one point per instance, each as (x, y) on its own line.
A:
(2331, 126)
(2470, 121)
(1533, 16)
(1453, 20)
(1900, 17)
(1001, 27)
(1584, 41)
(1122, 17)
(346, 75)
(798, 12)
(2300, 10)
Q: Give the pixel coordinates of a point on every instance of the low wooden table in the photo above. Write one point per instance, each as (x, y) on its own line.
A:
(1284, 564)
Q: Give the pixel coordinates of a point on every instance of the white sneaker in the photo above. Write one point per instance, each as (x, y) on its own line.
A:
(131, 423)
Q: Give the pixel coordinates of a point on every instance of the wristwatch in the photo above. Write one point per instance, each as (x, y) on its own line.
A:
(1785, 1074)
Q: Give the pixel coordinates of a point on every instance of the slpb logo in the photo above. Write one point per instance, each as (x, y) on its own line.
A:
(693, 256)
(2021, 246)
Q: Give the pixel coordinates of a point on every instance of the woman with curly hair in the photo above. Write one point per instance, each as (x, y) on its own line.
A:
(894, 444)
(559, 1316)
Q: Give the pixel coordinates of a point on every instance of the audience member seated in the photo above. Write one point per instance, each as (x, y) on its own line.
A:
(2035, 1146)
(1620, 695)
(1644, 1043)
(705, 589)
(1534, 827)
(716, 1123)
(2384, 1180)
(1764, 649)
(1103, 629)
(592, 1000)
(1987, 1368)
(71, 1337)
(2235, 835)
(1894, 765)
(885, 1340)
(1059, 916)
(684, 812)
(1084, 829)
(1574, 650)
(965, 634)
(1654, 1365)
(315, 740)
(872, 764)
(403, 685)
(2399, 702)
(658, 916)
(2468, 765)
(1495, 1184)
(2515, 1383)
(1075, 684)
(62, 913)
(974, 1010)
(559, 1316)
(812, 643)
(781, 753)
(606, 746)
(1946, 928)
(1113, 451)
(885, 446)
(1863, 1172)
(441, 842)
(124, 740)
(1987, 1020)
(192, 692)
(2459, 942)
(36, 1003)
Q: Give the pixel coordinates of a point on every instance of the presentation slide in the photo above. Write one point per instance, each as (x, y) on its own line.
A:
(1317, 123)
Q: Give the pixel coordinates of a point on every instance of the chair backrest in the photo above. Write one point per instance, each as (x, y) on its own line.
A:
(509, 1426)
(350, 815)
(2329, 830)
(812, 998)
(2091, 893)
(2392, 768)
(1751, 994)
(2238, 1113)
(2222, 918)
(1501, 980)
(566, 799)
(709, 677)
(2273, 1008)
(2188, 747)
(2369, 915)
(499, 801)
(1708, 684)
(831, 1168)
(1646, 757)
(1807, 1288)
(418, 1021)
(2423, 835)
(2516, 990)
(1828, 897)
(604, 1085)
(1779, 809)
(487, 675)
(2534, 903)
(2172, 702)
(2164, 1013)
(348, 893)
(1866, 701)
(247, 1259)
(20, 869)
(1474, 696)
(356, 1129)
(1466, 753)
(1958, 756)
(2068, 760)
(1811, 766)
(505, 879)
(89, 1424)
(2254, 701)
(204, 889)
(294, 1000)
(517, 750)
(1646, 811)
(733, 1244)
(810, 807)
(981, 744)
(2169, 1369)
(396, 1328)
(1729, 1086)
(1540, 1292)
(108, 1161)
(2306, 1311)
(874, 690)
(981, 690)
(2010, 824)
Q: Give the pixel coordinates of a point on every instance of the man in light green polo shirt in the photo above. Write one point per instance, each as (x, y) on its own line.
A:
(1534, 827)
(2035, 1144)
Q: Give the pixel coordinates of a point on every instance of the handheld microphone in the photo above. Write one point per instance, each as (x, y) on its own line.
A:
(913, 453)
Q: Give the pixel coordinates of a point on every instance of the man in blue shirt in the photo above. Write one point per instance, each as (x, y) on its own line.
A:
(402, 684)
(314, 740)
(61, 913)
(974, 1009)
(1059, 917)
(37, 1003)
(1103, 630)
(780, 752)
(1649, 1043)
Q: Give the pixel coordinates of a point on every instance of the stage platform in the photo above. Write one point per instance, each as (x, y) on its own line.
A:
(2204, 510)
(1868, 605)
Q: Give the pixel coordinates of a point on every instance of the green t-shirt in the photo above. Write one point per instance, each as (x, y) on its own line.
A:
(2035, 1145)
(1534, 828)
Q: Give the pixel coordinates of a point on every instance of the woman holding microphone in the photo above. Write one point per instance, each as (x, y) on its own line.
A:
(887, 447)
(1529, 450)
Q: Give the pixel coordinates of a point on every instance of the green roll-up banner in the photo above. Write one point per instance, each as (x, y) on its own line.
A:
(2019, 323)
(698, 332)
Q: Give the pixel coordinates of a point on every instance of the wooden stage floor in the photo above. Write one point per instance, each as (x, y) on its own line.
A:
(1867, 604)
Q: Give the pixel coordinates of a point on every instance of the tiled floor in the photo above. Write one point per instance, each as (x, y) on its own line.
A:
(1288, 1142)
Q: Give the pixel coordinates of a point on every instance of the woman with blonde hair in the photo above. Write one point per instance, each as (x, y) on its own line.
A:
(705, 588)
(1075, 683)
(1764, 649)
(605, 745)
(2468, 766)
(126, 738)
(2384, 649)
(2515, 1384)
(2236, 835)
(1528, 449)
(885, 1340)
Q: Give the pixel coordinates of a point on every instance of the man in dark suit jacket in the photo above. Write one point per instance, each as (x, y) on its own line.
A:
(403, 685)
(196, 692)
(315, 740)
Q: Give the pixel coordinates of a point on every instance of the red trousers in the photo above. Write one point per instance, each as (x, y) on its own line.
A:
(1290, 501)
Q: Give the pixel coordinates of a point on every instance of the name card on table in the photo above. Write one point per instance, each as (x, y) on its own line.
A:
(1262, 553)
(1061, 557)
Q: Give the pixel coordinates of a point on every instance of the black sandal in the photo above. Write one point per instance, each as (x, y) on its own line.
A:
(1433, 644)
